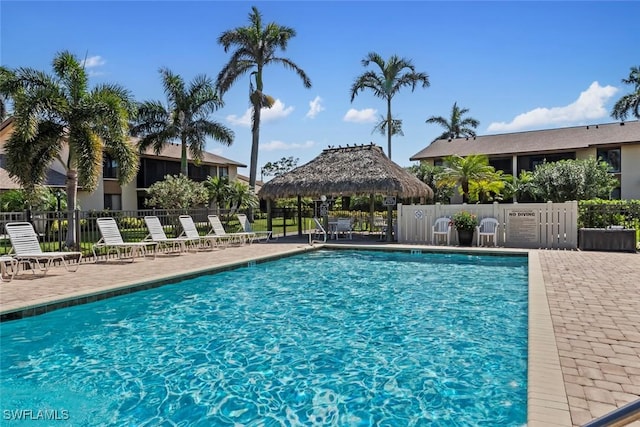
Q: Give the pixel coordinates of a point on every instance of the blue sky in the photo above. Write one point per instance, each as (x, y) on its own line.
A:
(515, 65)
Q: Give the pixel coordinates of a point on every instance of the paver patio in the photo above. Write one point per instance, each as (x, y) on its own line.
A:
(593, 311)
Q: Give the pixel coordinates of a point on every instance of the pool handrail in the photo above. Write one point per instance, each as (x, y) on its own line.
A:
(321, 229)
(618, 417)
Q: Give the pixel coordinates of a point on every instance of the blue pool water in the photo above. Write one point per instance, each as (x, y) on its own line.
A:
(346, 338)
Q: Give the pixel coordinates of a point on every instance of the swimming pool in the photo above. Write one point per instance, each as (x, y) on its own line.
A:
(329, 337)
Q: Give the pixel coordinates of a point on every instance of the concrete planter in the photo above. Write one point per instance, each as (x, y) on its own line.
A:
(604, 239)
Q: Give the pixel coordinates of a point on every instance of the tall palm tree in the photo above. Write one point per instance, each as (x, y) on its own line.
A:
(185, 118)
(7, 81)
(255, 48)
(462, 170)
(395, 74)
(629, 103)
(57, 117)
(456, 126)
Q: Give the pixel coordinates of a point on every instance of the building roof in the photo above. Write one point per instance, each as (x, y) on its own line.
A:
(53, 179)
(538, 141)
(173, 151)
(347, 171)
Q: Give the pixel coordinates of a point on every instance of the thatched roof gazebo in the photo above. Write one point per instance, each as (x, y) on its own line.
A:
(347, 171)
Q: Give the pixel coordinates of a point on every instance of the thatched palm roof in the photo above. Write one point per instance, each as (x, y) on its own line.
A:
(347, 171)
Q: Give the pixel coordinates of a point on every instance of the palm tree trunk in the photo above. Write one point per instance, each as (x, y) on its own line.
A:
(255, 140)
(389, 127)
(184, 165)
(72, 193)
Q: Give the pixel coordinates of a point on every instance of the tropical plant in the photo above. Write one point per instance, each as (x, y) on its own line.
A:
(241, 197)
(442, 190)
(218, 190)
(58, 116)
(395, 73)
(464, 220)
(176, 192)
(457, 126)
(573, 180)
(256, 47)
(630, 103)
(524, 188)
(460, 171)
(186, 118)
(489, 189)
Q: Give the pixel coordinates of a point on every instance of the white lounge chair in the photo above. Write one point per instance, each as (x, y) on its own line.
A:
(26, 249)
(441, 228)
(6, 263)
(246, 226)
(112, 241)
(157, 234)
(488, 229)
(218, 229)
(189, 230)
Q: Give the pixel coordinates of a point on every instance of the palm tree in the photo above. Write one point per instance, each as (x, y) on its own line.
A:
(629, 103)
(456, 126)
(462, 170)
(7, 80)
(219, 191)
(256, 47)
(59, 118)
(388, 82)
(186, 118)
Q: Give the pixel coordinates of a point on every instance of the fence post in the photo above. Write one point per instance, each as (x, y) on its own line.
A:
(76, 214)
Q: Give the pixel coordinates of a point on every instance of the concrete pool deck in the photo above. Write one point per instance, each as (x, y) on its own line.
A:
(584, 315)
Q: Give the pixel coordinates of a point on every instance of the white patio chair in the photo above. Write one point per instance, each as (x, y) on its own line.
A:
(26, 249)
(112, 241)
(218, 229)
(343, 228)
(6, 263)
(157, 234)
(487, 230)
(441, 228)
(208, 241)
(246, 226)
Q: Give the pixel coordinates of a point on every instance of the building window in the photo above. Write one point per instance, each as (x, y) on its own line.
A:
(109, 167)
(113, 202)
(223, 171)
(612, 157)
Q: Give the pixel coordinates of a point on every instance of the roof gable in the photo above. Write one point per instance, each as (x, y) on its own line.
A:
(560, 139)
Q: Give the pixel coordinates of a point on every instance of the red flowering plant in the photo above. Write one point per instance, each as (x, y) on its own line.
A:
(464, 220)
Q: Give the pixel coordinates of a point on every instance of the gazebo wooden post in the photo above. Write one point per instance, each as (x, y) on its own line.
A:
(372, 207)
(299, 215)
(269, 218)
(389, 223)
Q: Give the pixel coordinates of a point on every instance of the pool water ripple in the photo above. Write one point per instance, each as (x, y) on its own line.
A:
(348, 338)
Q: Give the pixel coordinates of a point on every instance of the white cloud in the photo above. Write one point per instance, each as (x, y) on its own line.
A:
(279, 145)
(315, 107)
(277, 111)
(588, 106)
(368, 115)
(93, 61)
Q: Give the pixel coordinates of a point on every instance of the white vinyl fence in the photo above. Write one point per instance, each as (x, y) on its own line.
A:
(522, 225)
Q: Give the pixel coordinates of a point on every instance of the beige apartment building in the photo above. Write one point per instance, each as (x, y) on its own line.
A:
(616, 143)
(109, 194)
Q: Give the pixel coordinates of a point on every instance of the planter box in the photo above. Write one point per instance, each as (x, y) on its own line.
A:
(604, 239)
